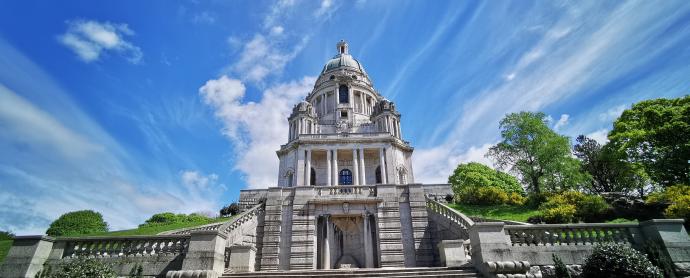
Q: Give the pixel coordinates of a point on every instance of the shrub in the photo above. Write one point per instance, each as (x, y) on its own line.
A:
(560, 268)
(483, 196)
(616, 260)
(534, 200)
(561, 214)
(79, 268)
(5, 235)
(449, 198)
(477, 175)
(167, 218)
(592, 208)
(78, 223)
(678, 198)
(229, 210)
(516, 199)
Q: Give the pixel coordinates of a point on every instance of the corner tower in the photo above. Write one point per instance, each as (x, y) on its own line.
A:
(344, 132)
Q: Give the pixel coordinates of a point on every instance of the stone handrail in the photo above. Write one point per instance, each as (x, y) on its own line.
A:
(450, 214)
(570, 234)
(101, 247)
(507, 222)
(224, 227)
(346, 190)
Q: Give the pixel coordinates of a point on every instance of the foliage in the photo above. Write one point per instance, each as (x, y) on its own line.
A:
(137, 271)
(678, 198)
(516, 199)
(561, 269)
(540, 156)
(498, 212)
(572, 206)
(6, 235)
(449, 198)
(78, 223)
(479, 175)
(616, 260)
(607, 167)
(482, 196)
(5, 246)
(654, 133)
(167, 218)
(231, 209)
(79, 268)
(156, 229)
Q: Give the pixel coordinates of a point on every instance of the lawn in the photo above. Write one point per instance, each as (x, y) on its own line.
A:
(497, 212)
(4, 248)
(153, 230)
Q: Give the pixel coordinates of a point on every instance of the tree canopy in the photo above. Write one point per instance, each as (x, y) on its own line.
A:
(608, 168)
(656, 134)
(75, 223)
(475, 174)
(540, 156)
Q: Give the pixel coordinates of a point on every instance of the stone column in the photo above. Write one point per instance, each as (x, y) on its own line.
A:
(307, 176)
(335, 166)
(382, 162)
(355, 168)
(26, 256)
(399, 130)
(368, 252)
(362, 167)
(361, 103)
(329, 172)
(327, 243)
(299, 172)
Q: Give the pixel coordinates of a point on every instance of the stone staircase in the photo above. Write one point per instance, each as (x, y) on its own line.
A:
(463, 272)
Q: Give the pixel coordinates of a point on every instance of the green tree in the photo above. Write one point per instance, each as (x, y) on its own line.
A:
(654, 133)
(607, 167)
(475, 174)
(78, 223)
(540, 156)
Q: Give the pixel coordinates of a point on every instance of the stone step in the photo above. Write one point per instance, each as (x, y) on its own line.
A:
(372, 272)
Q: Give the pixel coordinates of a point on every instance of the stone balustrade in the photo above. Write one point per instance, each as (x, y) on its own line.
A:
(225, 227)
(346, 191)
(571, 234)
(132, 246)
(451, 214)
(343, 135)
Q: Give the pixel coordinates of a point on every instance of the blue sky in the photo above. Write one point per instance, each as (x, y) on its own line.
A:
(136, 107)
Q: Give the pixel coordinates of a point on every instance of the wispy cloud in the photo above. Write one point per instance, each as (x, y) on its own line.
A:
(91, 39)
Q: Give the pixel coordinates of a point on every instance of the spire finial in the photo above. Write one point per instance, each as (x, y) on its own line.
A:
(342, 47)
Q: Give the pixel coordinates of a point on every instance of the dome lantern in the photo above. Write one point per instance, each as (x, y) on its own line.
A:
(342, 47)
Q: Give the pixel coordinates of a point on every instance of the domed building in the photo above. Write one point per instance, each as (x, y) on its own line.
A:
(344, 132)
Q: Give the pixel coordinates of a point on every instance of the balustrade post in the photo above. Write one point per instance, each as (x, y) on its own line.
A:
(206, 252)
(489, 243)
(26, 256)
(670, 235)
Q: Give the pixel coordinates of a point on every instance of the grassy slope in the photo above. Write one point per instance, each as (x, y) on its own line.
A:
(4, 248)
(152, 230)
(497, 212)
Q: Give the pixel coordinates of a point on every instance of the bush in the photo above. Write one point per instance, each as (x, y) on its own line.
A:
(616, 260)
(449, 198)
(516, 199)
(6, 235)
(561, 269)
(229, 210)
(167, 218)
(477, 175)
(78, 223)
(572, 206)
(678, 198)
(482, 196)
(79, 268)
(534, 200)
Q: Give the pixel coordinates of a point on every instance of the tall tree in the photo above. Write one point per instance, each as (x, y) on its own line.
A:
(608, 168)
(475, 174)
(656, 134)
(540, 156)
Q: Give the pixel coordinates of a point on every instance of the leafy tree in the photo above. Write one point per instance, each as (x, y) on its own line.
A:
(654, 133)
(6, 235)
(540, 156)
(231, 209)
(78, 223)
(475, 174)
(607, 167)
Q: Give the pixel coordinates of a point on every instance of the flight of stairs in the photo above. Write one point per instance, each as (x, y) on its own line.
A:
(463, 272)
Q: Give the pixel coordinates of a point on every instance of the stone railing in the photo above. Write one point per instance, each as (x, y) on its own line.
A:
(131, 246)
(230, 227)
(571, 234)
(449, 213)
(346, 190)
(344, 135)
(224, 227)
(507, 222)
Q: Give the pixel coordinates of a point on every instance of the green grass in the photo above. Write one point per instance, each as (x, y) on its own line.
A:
(153, 230)
(4, 248)
(497, 212)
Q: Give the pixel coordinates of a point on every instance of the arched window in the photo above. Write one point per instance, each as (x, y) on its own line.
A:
(345, 177)
(378, 174)
(312, 177)
(343, 94)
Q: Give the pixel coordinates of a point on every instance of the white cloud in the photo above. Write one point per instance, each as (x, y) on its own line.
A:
(600, 136)
(90, 39)
(434, 165)
(562, 121)
(326, 9)
(204, 18)
(196, 180)
(277, 30)
(613, 113)
(256, 129)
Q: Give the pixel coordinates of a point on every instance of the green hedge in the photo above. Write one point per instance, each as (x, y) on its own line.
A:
(78, 223)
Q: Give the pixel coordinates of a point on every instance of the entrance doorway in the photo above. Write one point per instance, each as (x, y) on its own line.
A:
(347, 241)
